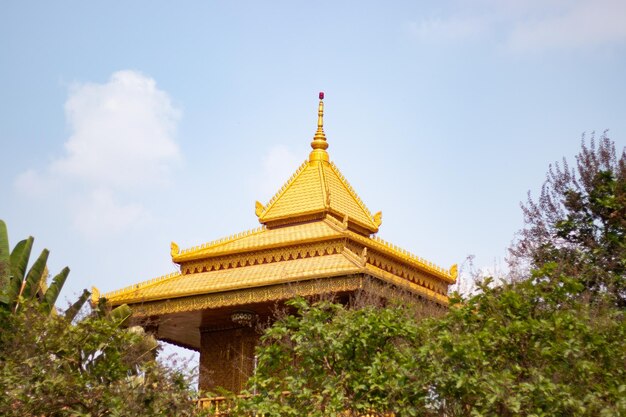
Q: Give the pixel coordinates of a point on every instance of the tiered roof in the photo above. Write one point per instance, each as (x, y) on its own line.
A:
(315, 227)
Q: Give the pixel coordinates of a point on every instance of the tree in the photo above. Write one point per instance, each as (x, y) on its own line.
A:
(18, 283)
(332, 360)
(529, 348)
(55, 365)
(550, 342)
(579, 220)
(534, 347)
(94, 367)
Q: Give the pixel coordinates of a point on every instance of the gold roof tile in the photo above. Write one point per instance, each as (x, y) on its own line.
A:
(344, 199)
(237, 278)
(305, 194)
(260, 239)
(318, 187)
(136, 288)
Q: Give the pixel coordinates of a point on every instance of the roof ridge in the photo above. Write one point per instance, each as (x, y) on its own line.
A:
(324, 185)
(353, 257)
(334, 224)
(223, 240)
(141, 284)
(411, 256)
(284, 188)
(351, 191)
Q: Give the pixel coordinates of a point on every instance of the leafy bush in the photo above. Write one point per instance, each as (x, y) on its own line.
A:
(531, 348)
(51, 367)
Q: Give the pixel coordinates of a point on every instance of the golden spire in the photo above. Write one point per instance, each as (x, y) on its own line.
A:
(319, 143)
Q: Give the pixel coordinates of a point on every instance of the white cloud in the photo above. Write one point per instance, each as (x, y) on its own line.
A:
(523, 25)
(123, 132)
(279, 163)
(122, 139)
(99, 214)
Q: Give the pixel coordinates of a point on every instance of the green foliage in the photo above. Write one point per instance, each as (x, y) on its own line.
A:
(579, 221)
(56, 365)
(74, 309)
(530, 348)
(35, 276)
(49, 366)
(51, 295)
(331, 359)
(19, 284)
(533, 348)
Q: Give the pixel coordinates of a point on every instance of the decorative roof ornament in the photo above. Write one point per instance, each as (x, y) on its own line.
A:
(378, 218)
(316, 190)
(319, 143)
(258, 208)
(174, 249)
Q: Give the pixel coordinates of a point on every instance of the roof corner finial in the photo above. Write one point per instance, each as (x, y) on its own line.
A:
(319, 143)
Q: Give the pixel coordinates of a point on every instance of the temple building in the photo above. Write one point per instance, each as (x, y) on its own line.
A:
(316, 237)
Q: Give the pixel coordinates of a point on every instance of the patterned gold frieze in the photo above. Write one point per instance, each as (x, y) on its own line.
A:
(406, 284)
(250, 296)
(412, 274)
(262, 257)
(281, 292)
(421, 263)
(374, 285)
(399, 269)
(356, 252)
(354, 246)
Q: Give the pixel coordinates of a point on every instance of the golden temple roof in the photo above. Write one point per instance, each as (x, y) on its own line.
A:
(315, 227)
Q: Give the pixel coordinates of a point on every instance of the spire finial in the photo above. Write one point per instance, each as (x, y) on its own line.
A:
(319, 143)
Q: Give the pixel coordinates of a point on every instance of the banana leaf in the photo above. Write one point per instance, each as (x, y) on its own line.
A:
(20, 256)
(13, 292)
(35, 275)
(70, 313)
(52, 293)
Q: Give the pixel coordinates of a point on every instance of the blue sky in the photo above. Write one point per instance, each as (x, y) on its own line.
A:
(126, 125)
